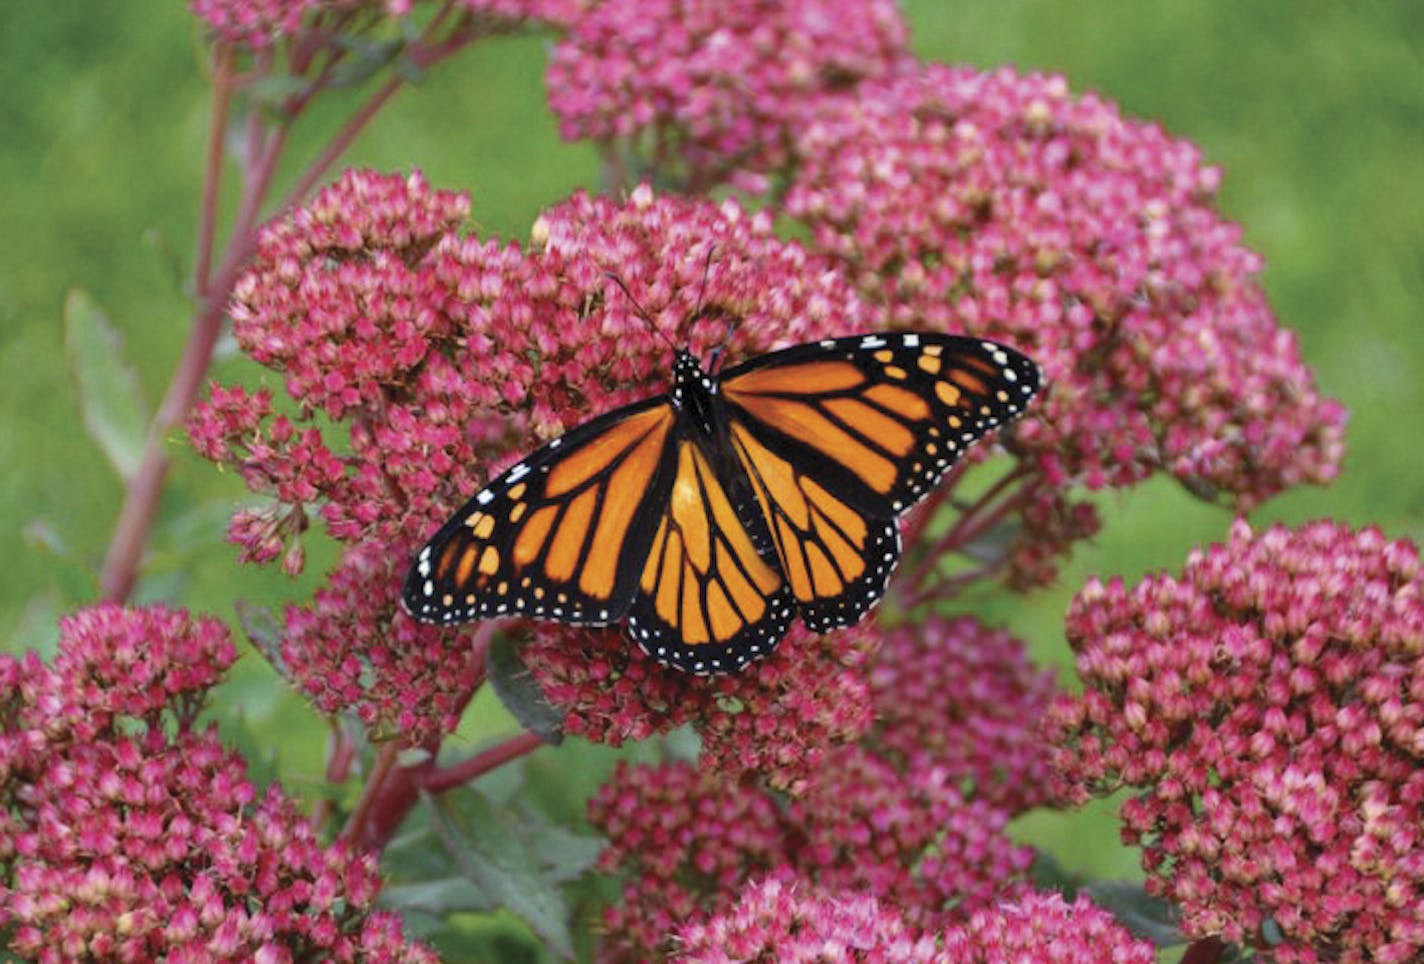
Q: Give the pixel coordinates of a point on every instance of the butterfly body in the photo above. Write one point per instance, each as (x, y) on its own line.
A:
(708, 518)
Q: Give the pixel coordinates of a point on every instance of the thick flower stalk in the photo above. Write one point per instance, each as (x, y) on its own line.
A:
(128, 834)
(1267, 708)
(710, 90)
(1000, 205)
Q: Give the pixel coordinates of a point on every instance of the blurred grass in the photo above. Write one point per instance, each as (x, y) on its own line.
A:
(1315, 110)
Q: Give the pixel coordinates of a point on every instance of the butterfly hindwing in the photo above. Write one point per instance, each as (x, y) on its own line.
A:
(836, 559)
(708, 599)
(562, 534)
(840, 437)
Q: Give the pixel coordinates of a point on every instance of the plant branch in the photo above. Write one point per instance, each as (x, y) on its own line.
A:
(447, 778)
(374, 789)
(338, 144)
(973, 522)
(131, 531)
(212, 177)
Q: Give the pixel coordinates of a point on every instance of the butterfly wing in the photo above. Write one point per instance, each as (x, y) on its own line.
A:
(708, 600)
(562, 534)
(839, 437)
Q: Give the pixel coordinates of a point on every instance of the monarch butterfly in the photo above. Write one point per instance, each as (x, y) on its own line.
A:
(706, 518)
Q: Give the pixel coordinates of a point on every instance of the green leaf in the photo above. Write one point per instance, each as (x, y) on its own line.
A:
(1148, 917)
(365, 58)
(265, 631)
(1048, 874)
(110, 397)
(38, 626)
(564, 855)
(520, 692)
(492, 853)
(437, 897)
(272, 90)
(176, 539)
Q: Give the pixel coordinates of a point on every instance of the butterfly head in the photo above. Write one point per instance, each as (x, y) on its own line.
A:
(693, 388)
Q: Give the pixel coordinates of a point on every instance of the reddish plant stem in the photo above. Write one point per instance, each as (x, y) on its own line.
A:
(972, 523)
(393, 791)
(264, 148)
(340, 755)
(348, 133)
(121, 563)
(212, 177)
(947, 587)
(447, 778)
(370, 794)
(982, 519)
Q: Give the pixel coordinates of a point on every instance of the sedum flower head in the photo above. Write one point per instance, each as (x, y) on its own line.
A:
(907, 836)
(127, 834)
(1267, 708)
(1044, 928)
(715, 85)
(683, 838)
(783, 918)
(778, 718)
(259, 24)
(1001, 205)
(262, 24)
(957, 695)
(688, 841)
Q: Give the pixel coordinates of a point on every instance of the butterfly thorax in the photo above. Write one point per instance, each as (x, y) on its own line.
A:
(694, 394)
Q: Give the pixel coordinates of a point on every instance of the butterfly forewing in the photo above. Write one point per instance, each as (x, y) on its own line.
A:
(880, 417)
(562, 534)
(840, 437)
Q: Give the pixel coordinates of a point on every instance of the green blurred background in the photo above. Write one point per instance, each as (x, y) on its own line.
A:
(1315, 110)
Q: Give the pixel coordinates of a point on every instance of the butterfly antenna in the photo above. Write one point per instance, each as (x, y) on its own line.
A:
(642, 312)
(731, 320)
(706, 270)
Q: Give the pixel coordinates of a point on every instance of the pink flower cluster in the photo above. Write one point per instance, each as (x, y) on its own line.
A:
(1000, 205)
(261, 24)
(258, 24)
(684, 836)
(1044, 928)
(778, 718)
(955, 694)
(125, 834)
(715, 87)
(423, 362)
(686, 841)
(784, 918)
(1267, 708)
(349, 650)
